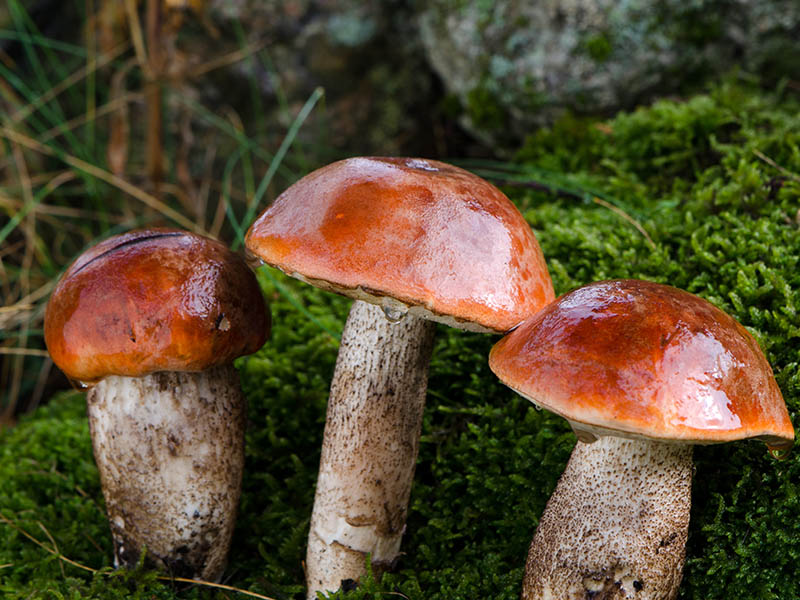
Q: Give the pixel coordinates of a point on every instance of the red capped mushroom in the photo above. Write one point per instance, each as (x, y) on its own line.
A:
(150, 322)
(650, 370)
(411, 240)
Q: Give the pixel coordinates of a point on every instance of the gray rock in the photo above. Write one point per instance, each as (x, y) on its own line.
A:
(515, 65)
(360, 52)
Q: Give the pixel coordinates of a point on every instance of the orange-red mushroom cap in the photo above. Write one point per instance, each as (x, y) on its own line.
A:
(154, 300)
(423, 232)
(648, 360)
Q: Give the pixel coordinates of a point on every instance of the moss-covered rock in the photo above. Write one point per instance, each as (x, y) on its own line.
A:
(525, 63)
(702, 194)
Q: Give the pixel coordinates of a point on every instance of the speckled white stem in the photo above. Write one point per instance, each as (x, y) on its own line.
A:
(370, 446)
(170, 450)
(616, 524)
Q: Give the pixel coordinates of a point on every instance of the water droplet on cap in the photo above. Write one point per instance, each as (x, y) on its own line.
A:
(420, 163)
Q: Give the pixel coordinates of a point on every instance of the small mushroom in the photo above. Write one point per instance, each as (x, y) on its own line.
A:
(150, 321)
(650, 370)
(412, 241)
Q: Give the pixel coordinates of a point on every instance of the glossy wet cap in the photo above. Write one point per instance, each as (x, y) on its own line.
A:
(154, 300)
(645, 359)
(423, 232)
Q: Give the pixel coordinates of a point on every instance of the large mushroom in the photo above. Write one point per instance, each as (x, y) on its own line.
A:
(150, 322)
(650, 370)
(413, 241)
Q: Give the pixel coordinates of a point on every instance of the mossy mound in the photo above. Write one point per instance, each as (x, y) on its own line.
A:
(701, 194)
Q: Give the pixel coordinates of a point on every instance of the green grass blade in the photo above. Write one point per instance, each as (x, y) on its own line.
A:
(42, 41)
(279, 156)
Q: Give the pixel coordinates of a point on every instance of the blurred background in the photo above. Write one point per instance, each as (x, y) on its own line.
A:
(197, 113)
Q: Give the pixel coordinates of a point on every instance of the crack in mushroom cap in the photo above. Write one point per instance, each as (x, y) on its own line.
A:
(427, 233)
(637, 358)
(154, 300)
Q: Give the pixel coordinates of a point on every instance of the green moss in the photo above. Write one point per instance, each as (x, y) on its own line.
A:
(598, 47)
(696, 175)
(484, 110)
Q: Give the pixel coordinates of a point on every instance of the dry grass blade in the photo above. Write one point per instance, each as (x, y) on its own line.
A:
(55, 552)
(153, 130)
(628, 218)
(226, 59)
(23, 352)
(104, 175)
(21, 531)
(65, 84)
(72, 124)
(119, 124)
(15, 308)
(192, 203)
(36, 294)
(52, 471)
(41, 382)
(15, 315)
(569, 190)
(55, 546)
(91, 67)
(109, 107)
(29, 231)
(75, 213)
(136, 35)
(219, 586)
(772, 163)
(53, 181)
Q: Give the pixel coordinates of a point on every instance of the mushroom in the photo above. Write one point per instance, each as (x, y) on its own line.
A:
(412, 241)
(150, 322)
(650, 370)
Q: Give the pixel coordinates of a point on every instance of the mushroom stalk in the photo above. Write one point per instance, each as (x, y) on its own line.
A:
(370, 446)
(616, 524)
(169, 447)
